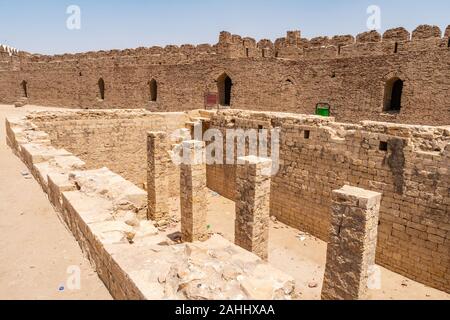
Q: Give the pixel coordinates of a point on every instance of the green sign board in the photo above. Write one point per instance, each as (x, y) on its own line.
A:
(323, 109)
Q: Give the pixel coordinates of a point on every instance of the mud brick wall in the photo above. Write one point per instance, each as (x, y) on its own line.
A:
(113, 139)
(292, 74)
(409, 165)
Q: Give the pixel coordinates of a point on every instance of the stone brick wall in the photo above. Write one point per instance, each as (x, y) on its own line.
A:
(352, 246)
(292, 74)
(409, 165)
(113, 139)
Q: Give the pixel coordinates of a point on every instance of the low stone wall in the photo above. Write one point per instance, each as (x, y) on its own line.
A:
(134, 259)
(112, 138)
(409, 165)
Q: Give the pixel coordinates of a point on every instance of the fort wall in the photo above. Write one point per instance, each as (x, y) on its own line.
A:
(292, 74)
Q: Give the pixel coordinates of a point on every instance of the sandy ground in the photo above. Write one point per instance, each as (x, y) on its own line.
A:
(36, 251)
(303, 257)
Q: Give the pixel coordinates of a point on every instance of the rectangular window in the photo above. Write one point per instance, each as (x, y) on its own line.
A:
(383, 146)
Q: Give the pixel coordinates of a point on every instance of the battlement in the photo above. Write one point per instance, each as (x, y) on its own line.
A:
(170, 54)
(8, 49)
(293, 47)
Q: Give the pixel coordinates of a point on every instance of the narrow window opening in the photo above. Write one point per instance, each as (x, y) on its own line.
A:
(393, 95)
(307, 134)
(383, 146)
(448, 43)
(263, 53)
(153, 90)
(339, 49)
(224, 86)
(24, 89)
(396, 47)
(101, 88)
(247, 52)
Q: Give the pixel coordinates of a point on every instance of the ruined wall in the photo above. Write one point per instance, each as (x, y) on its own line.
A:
(292, 74)
(112, 139)
(409, 165)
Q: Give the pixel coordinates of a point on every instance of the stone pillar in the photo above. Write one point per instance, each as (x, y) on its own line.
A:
(253, 204)
(353, 242)
(193, 192)
(157, 176)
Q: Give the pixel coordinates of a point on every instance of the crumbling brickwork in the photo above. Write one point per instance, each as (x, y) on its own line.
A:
(352, 245)
(292, 74)
(253, 205)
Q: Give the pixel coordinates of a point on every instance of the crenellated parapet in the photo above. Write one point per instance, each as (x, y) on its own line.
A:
(372, 43)
(426, 32)
(447, 32)
(291, 47)
(5, 49)
(294, 47)
(231, 46)
(397, 34)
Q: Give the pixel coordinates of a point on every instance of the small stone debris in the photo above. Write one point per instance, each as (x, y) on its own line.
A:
(130, 237)
(26, 174)
(162, 279)
(161, 223)
(313, 285)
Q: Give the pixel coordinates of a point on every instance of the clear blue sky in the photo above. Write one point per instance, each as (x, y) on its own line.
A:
(39, 26)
